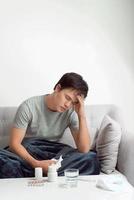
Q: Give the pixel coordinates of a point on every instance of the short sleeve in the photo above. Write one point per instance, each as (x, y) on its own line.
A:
(73, 121)
(23, 116)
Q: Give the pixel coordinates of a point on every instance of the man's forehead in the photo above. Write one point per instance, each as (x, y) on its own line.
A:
(73, 92)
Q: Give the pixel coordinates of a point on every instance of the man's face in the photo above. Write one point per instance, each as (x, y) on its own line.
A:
(65, 99)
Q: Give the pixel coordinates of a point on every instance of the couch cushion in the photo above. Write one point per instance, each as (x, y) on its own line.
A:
(107, 144)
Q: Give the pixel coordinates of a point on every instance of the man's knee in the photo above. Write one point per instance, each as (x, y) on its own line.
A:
(91, 159)
(90, 155)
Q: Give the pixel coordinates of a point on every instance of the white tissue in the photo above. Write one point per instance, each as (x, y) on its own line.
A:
(58, 162)
(112, 183)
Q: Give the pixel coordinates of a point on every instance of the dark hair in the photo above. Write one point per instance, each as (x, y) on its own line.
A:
(74, 81)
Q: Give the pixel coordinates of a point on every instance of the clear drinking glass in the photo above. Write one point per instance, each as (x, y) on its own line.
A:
(71, 177)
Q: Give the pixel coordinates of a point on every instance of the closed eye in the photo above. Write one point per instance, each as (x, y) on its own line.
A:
(67, 98)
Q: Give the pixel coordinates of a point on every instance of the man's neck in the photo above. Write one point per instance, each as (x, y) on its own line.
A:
(49, 102)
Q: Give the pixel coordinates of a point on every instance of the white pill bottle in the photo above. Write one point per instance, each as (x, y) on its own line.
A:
(52, 173)
(38, 173)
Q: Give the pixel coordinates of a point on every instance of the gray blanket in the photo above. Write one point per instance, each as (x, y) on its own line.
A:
(12, 166)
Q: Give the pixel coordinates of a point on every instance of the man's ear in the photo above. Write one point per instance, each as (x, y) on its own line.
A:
(58, 88)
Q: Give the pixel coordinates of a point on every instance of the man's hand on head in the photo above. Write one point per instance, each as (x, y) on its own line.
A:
(79, 106)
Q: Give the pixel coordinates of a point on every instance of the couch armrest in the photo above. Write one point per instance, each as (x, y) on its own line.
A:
(125, 163)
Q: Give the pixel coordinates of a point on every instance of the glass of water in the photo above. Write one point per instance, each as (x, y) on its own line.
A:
(71, 177)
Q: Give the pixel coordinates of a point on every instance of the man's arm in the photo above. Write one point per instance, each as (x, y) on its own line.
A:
(81, 136)
(15, 145)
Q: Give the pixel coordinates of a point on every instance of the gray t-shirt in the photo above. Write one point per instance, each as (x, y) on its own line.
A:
(34, 116)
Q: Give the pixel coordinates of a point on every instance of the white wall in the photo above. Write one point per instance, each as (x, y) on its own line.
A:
(40, 40)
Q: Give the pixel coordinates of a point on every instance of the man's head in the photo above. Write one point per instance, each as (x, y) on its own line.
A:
(73, 81)
(67, 90)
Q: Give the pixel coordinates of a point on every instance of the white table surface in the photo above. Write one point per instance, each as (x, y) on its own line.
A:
(21, 189)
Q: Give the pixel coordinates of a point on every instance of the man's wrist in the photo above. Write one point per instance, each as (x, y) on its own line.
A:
(35, 163)
(81, 116)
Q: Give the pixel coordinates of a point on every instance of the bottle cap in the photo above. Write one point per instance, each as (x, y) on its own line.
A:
(52, 168)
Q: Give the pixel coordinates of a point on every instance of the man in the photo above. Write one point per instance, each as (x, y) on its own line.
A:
(47, 117)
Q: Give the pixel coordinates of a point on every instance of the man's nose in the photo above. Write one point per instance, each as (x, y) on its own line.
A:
(67, 104)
